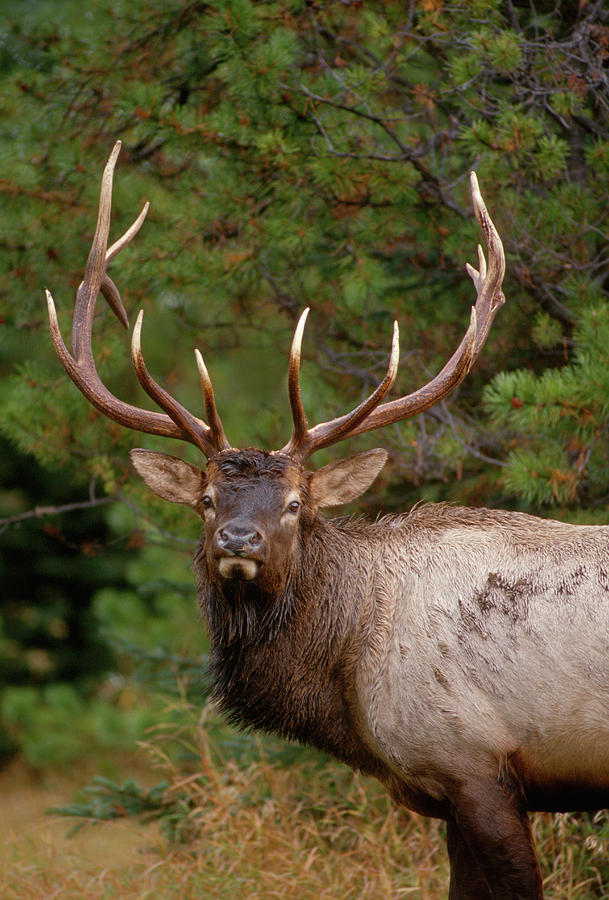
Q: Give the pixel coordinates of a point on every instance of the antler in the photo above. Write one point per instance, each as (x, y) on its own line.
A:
(80, 364)
(373, 413)
(178, 422)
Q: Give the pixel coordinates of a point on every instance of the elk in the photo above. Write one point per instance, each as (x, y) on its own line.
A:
(461, 656)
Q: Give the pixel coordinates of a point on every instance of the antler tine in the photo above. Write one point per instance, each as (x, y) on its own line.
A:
(198, 432)
(95, 270)
(113, 299)
(298, 414)
(303, 443)
(80, 364)
(371, 415)
(128, 236)
(487, 283)
(108, 288)
(215, 425)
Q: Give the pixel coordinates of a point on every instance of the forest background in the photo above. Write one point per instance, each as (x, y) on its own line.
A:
(294, 154)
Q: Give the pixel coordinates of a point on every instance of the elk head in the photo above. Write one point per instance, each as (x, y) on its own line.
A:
(253, 502)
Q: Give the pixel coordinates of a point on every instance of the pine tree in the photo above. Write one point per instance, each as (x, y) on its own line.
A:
(305, 154)
(300, 154)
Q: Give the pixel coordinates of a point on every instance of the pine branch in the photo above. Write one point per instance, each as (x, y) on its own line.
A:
(40, 512)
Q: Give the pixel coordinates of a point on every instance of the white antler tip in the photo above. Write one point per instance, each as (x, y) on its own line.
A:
(477, 200)
(298, 333)
(109, 168)
(394, 359)
(136, 338)
(204, 374)
(51, 307)
(395, 341)
(395, 347)
(303, 318)
(474, 186)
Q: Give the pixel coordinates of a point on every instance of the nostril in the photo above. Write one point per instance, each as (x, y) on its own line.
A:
(237, 539)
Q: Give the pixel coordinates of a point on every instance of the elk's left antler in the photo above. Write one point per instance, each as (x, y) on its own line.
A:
(373, 413)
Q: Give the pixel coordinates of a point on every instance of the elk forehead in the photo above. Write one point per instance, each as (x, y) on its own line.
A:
(254, 479)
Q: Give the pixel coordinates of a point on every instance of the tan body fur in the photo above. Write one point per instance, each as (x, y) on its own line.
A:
(501, 622)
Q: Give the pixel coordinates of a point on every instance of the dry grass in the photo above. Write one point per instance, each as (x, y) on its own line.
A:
(307, 830)
(38, 861)
(310, 829)
(297, 833)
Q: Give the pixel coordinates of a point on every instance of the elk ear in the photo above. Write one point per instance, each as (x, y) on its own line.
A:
(170, 478)
(344, 480)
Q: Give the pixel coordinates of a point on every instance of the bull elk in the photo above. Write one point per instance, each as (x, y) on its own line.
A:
(461, 656)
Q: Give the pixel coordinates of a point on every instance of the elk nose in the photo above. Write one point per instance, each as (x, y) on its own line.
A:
(238, 539)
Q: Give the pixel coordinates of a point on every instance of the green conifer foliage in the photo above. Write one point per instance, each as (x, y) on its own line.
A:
(557, 421)
(301, 153)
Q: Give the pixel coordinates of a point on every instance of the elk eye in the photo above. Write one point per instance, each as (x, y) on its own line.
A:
(294, 506)
(207, 502)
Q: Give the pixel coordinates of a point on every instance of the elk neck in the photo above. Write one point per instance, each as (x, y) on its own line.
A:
(285, 662)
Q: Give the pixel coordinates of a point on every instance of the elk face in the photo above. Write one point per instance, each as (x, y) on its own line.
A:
(253, 504)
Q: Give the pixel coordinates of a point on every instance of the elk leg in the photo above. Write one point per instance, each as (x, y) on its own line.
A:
(491, 818)
(466, 879)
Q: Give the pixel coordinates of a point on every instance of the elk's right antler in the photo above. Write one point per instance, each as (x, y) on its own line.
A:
(373, 413)
(80, 364)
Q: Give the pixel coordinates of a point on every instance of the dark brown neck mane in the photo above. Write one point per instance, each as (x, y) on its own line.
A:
(281, 664)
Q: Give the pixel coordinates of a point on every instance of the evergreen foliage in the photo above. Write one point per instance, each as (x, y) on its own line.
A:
(299, 153)
(295, 154)
(51, 652)
(311, 154)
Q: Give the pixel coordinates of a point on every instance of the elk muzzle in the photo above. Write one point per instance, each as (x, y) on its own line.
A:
(239, 547)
